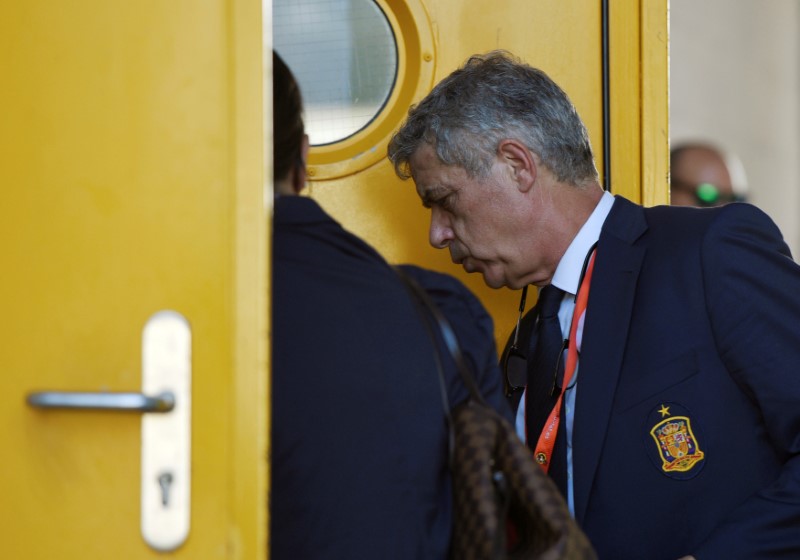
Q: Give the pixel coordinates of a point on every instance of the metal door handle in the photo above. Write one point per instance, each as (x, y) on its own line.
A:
(166, 475)
(125, 402)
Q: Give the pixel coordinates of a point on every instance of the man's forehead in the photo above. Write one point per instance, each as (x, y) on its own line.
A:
(428, 182)
(423, 166)
(424, 157)
(431, 183)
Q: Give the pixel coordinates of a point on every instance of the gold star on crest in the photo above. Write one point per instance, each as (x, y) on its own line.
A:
(664, 410)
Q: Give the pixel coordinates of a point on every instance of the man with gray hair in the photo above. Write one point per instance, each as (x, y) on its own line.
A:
(680, 435)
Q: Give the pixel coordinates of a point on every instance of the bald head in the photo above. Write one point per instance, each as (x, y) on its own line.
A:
(700, 176)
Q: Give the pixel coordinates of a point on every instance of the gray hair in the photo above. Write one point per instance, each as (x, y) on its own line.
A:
(491, 98)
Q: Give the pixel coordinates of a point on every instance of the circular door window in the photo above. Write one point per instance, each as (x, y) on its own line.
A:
(344, 56)
(360, 64)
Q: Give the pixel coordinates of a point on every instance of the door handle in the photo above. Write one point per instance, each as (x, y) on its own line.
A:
(166, 436)
(125, 402)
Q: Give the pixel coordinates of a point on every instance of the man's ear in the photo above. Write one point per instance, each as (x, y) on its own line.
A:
(299, 174)
(521, 160)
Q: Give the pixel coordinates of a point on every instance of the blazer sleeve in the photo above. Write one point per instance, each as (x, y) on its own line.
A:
(753, 302)
(474, 329)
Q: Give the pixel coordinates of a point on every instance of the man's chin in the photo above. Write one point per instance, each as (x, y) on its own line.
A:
(493, 283)
(472, 266)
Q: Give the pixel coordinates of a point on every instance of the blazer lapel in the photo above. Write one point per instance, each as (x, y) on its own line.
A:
(608, 316)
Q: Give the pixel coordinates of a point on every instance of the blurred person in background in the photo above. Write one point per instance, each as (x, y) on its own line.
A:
(703, 175)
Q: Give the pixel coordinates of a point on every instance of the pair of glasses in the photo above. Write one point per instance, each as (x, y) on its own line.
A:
(555, 387)
(707, 194)
(515, 364)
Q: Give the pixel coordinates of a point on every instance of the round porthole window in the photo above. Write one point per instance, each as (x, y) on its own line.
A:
(360, 65)
(344, 56)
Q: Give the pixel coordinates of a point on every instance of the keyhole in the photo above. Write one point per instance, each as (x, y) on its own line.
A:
(164, 480)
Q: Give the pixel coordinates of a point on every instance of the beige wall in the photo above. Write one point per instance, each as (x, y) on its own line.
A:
(735, 80)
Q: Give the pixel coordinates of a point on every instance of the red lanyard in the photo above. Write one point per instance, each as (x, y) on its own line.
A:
(547, 439)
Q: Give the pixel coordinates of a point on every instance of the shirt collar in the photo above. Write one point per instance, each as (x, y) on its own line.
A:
(568, 272)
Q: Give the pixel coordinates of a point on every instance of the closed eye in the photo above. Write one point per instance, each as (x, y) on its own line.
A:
(444, 202)
(437, 196)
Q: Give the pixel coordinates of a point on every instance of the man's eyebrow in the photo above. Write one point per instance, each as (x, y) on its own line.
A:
(430, 195)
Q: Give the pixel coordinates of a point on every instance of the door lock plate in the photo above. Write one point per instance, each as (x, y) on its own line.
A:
(166, 437)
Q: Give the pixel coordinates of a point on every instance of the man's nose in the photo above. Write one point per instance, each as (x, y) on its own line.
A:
(441, 232)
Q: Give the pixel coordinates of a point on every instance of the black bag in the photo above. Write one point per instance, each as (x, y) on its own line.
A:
(505, 506)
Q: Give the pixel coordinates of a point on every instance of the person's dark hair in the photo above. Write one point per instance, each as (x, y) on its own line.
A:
(491, 98)
(287, 119)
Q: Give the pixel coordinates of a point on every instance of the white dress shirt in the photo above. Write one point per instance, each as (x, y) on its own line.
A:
(567, 277)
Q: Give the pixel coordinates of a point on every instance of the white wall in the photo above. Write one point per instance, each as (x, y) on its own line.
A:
(735, 80)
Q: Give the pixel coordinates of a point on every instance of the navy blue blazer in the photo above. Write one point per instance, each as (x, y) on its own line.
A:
(359, 441)
(687, 420)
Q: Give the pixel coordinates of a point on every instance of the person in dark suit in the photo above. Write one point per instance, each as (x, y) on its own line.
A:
(678, 432)
(359, 458)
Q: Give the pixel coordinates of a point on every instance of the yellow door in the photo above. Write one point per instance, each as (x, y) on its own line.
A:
(132, 183)
(353, 180)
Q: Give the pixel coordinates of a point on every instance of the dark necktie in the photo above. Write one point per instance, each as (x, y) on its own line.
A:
(539, 397)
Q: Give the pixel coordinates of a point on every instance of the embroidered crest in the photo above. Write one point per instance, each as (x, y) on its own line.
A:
(678, 448)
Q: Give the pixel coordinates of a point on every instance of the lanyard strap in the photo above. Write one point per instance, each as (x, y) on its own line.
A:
(547, 439)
